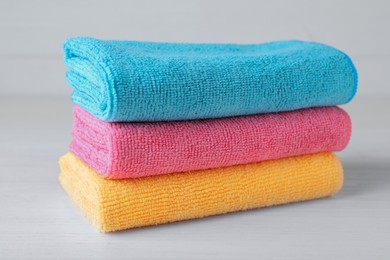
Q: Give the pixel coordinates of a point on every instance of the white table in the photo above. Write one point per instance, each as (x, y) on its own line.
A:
(38, 221)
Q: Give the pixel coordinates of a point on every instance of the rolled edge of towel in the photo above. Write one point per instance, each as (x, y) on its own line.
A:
(121, 204)
(92, 75)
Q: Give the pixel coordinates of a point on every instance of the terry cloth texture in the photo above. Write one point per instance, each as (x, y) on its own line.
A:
(146, 81)
(120, 204)
(123, 150)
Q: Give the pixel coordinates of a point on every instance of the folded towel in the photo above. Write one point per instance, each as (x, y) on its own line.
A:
(146, 81)
(123, 150)
(120, 204)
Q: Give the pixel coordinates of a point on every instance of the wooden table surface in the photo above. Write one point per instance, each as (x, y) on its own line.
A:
(38, 221)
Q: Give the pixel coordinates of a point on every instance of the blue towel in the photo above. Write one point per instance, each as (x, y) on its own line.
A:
(148, 81)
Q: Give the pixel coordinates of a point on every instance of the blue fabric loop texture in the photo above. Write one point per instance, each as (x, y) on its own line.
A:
(149, 81)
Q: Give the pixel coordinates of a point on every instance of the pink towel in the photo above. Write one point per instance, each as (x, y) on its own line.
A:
(130, 150)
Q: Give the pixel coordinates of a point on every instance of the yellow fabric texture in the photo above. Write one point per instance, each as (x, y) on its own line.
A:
(120, 204)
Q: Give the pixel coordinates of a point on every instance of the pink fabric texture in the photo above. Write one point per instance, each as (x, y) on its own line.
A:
(131, 150)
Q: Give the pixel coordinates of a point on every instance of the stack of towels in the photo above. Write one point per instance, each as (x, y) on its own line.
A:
(167, 131)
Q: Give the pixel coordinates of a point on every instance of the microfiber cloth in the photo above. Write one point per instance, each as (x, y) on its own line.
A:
(131, 150)
(149, 81)
(120, 204)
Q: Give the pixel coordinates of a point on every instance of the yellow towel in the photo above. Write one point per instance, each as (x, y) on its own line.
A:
(120, 204)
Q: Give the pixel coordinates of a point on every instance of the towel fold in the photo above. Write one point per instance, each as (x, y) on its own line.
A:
(120, 204)
(145, 81)
(123, 150)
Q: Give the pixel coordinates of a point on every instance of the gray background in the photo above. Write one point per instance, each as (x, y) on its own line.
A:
(37, 220)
